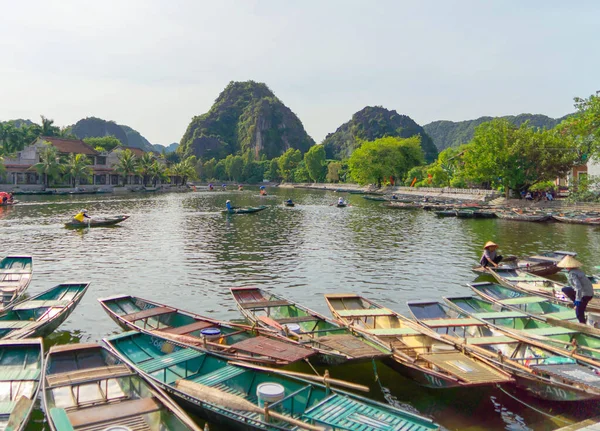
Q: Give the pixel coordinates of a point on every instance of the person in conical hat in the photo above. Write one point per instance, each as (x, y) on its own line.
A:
(490, 257)
(580, 289)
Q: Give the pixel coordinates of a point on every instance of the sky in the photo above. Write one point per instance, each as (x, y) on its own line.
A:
(154, 64)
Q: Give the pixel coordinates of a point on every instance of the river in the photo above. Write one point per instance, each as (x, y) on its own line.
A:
(180, 250)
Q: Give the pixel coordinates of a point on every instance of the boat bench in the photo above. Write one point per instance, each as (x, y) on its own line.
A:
(29, 305)
(365, 313)
(440, 323)
(7, 407)
(297, 319)
(186, 329)
(553, 330)
(166, 361)
(523, 300)
(151, 312)
(19, 373)
(500, 315)
(562, 315)
(499, 339)
(100, 373)
(264, 304)
(393, 331)
(219, 376)
(112, 411)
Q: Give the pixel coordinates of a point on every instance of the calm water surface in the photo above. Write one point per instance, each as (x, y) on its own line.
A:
(180, 250)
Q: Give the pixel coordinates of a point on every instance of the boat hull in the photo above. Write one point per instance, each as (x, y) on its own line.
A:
(97, 223)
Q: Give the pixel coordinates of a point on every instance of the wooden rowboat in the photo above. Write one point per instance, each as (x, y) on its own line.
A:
(417, 353)
(86, 387)
(537, 368)
(577, 219)
(234, 341)
(15, 276)
(334, 343)
(41, 314)
(530, 217)
(227, 393)
(97, 222)
(248, 210)
(20, 372)
(532, 266)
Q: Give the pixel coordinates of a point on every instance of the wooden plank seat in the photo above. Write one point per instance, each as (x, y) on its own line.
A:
(219, 376)
(112, 411)
(150, 312)
(393, 331)
(561, 315)
(365, 312)
(15, 324)
(553, 330)
(29, 305)
(523, 300)
(440, 323)
(6, 407)
(498, 339)
(18, 373)
(79, 376)
(186, 329)
(350, 346)
(297, 319)
(280, 350)
(264, 304)
(500, 315)
(161, 362)
(464, 367)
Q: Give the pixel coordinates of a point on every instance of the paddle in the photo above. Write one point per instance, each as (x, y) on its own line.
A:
(19, 413)
(234, 402)
(321, 379)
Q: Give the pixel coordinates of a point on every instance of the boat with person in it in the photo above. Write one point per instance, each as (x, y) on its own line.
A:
(247, 210)
(334, 343)
(87, 387)
(15, 276)
(526, 264)
(97, 222)
(418, 353)
(230, 340)
(21, 365)
(41, 314)
(537, 368)
(242, 396)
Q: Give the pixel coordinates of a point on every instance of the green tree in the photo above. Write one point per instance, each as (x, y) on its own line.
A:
(220, 170)
(126, 164)
(314, 159)
(188, 170)
(234, 166)
(287, 162)
(144, 167)
(584, 127)
(208, 169)
(48, 128)
(103, 143)
(301, 173)
(375, 161)
(2, 167)
(158, 171)
(333, 172)
(272, 172)
(49, 165)
(77, 167)
(254, 172)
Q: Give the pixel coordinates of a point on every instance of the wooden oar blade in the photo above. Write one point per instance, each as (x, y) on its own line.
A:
(19, 414)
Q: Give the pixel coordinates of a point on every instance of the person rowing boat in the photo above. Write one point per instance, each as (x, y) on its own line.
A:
(489, 256)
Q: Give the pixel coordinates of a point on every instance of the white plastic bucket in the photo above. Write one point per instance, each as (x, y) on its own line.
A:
(270, 393)
(293, 327)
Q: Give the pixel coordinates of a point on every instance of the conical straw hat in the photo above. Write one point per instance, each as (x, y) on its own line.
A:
(490, 244)
(569, 262)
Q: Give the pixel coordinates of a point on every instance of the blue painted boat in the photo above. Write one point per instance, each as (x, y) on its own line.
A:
(15, 276)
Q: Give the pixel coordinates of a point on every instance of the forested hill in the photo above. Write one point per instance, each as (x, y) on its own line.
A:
(246, 117)
(374, 122)
(454, 133)
(93, 127)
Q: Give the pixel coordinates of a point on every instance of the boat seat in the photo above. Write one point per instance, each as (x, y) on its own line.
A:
(498, 339)
(393, 331)
(264, 304)
(60, 419)
(219, 376)
(29, 305)
(562, 315)
(15, 324)
(6, 407)
(151, 312)
(297, 319)
(18, 373)
(523, 300)
(99, 373)
(500, 315)
(186, 329)
(552, 330)
(440, 323)
(365, 312)
(168, 360)
(92, 415)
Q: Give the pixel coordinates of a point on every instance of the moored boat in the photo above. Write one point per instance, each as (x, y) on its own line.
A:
(417, 353)
(334, 343)
(21, 364)
(234, 341)
(577, 219)
(523, 216)
(532, 266)
(233, 394)
(41, 314)
(15, 276)
(97, 222)
(248, 210)
(545, 373)
(402, 205)
(375, 198)
(86, 387)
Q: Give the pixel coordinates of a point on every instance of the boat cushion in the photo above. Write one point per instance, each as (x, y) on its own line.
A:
(29, 305)
(393, 331)
(18, 373)
(438, 323)
(60, 419)
(500, 315)
(365, 313)
(218, 376)
(168, 360)
(523, 300)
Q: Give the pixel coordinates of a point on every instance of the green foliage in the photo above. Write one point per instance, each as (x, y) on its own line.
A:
(418, 172)
(126, 164)
(371, 123)
(272, 172)
(206, 170)
(220, 170)
(93, 127)
(234, 166)
(585, 190)
(287, 162)
(145, 167)
(333, 172)
(76, 167)
(543, 186)
(584, 127)
(254, 171)
(49, 164)
(301, 173)
(314, 160)
(376, 161)
(17, 134)
(103, 144)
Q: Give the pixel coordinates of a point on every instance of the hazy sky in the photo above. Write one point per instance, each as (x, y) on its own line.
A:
(154, 64)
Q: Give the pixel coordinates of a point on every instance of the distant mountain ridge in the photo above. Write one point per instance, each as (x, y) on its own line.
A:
(246, 117)
(455, 133)
(374, 122)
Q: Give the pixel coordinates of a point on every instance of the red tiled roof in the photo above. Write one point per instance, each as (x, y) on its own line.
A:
(76, 146)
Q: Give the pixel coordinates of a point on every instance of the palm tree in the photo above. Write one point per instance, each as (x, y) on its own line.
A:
(77, 167)
(158, 171)
(175, 171)
(188, 169)
(48, 128)
(126, 165)
(144, 167)
(49, 164)
(2, 167)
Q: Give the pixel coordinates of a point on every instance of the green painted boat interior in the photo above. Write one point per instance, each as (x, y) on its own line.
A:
(91, 387)
(20, 371)
(16, 263)
(168, 362)
(530, 303)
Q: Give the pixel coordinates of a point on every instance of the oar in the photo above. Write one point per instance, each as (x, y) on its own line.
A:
(234, 402)
(320, 379)
(19, 413)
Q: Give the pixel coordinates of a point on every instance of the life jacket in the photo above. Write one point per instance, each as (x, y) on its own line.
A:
(79, 217)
